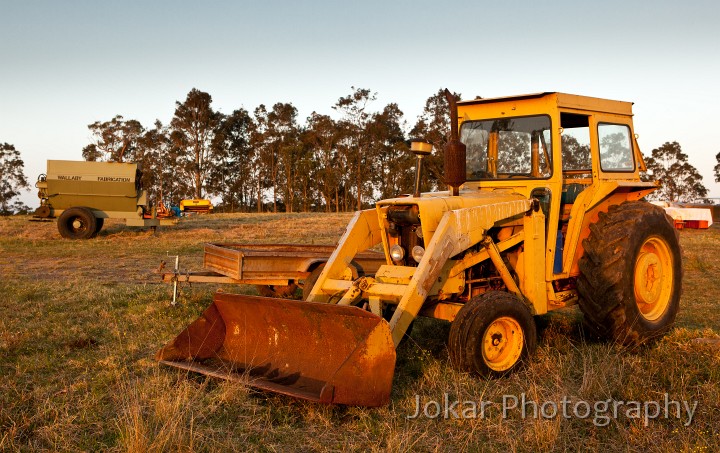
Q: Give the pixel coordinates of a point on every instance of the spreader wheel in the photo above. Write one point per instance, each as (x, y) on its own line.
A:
(77, 223)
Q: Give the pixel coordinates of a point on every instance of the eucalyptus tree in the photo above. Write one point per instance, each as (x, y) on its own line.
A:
(192, 133)
(233, 176)
(158, 166)
(680, 181)
(283, 139)
(354, 142)
(114, 141)
(12, 179)
(321, 136)
(392, 162)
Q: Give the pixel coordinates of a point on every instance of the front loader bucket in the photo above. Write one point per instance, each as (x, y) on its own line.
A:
(321, 352)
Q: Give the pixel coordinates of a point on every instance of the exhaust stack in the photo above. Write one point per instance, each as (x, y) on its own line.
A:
(454, 151)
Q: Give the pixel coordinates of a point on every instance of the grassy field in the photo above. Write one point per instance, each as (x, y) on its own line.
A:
(80, 322)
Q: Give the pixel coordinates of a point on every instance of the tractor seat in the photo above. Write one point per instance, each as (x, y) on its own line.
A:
(570, 193)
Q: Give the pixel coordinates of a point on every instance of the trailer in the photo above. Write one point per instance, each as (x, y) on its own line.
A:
(81, 195)
(276, 270)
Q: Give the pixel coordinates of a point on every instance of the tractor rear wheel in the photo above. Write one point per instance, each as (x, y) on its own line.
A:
(631, 272)
(77, 223)
(492, 334)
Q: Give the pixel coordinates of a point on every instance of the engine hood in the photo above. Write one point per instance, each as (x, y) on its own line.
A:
(432, 206)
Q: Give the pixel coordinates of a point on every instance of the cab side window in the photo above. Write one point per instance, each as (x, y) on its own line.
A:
(615, 147)
(575, 145)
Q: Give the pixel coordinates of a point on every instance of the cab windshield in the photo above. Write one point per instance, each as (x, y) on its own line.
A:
(508, 148)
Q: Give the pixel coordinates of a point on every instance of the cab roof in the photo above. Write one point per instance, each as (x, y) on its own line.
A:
(563, 100)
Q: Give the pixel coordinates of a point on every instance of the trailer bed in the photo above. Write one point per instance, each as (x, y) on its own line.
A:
(267, 264)
(277, 261)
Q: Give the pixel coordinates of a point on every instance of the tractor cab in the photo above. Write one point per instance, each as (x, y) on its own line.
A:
(567, 151)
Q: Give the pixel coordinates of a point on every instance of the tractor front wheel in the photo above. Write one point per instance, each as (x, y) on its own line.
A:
(492, 334)
(307, 285)
(631, 274)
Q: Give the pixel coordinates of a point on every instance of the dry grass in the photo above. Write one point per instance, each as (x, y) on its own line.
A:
(81, 322)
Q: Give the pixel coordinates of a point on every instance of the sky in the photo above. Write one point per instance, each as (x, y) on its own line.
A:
(66, 64)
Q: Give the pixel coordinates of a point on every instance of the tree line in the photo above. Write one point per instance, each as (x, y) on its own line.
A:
(270, 160)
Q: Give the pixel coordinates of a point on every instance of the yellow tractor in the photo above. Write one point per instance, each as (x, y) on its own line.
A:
(543, 211)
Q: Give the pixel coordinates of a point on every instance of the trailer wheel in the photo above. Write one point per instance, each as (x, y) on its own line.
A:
(281, 291)
(77, 223)
(99, 222)
(492, 334)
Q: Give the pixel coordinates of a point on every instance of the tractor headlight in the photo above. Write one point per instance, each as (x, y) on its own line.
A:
(397, 253)
(417, 253)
